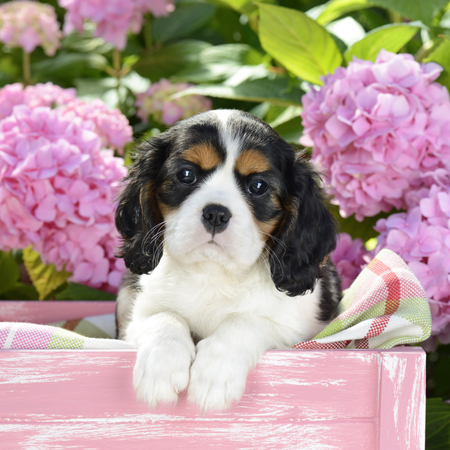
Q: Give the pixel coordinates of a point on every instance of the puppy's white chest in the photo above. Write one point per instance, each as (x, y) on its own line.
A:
(204, 298)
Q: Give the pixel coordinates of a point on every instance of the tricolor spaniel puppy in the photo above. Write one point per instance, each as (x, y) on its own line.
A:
(226, 237)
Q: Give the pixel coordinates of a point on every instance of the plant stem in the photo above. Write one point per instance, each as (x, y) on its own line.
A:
(117, 65)
(26, 68)
(425, 50)
(148, 32)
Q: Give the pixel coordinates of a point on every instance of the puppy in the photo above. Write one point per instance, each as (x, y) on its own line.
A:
(226, 237)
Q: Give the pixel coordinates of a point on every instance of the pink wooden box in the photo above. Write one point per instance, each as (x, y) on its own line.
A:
(309, 400)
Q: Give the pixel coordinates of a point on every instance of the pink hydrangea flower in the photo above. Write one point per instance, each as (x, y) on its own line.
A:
(421, 236)
(110, 124)
(113, 19)
(56, 192)
(29, 24)
(349, 258)
(155, 103)
(39, 95)
(377, 129)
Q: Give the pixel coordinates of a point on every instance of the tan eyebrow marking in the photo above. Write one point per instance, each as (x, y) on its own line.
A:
(204, 155)
(252, 161)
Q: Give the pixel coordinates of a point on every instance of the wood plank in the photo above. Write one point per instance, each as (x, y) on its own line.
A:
(308, 399)
(310, 385)
(149, 433)
(402, 402)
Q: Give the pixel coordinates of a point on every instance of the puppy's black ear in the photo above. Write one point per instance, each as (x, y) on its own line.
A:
(306, 234)
(138, 216)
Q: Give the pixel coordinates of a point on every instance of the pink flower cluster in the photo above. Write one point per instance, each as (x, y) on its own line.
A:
(113, 19)
(377, 129)
(349, 258)
(28, 24)
(57, 185)
(155, 103)
(56, 192)
(421, 236)
(110, 124)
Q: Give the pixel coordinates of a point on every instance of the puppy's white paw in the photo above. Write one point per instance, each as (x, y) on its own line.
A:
(162, 371)
(217, 377)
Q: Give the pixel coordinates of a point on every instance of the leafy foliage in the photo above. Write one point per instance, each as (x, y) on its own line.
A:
(75, 291)
(9, 271)
(423, 10)
(437, 424)
(45, 278)
(298, 42)
(389, 37)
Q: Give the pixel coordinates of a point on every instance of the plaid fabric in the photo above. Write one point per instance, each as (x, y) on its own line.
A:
(384, 307)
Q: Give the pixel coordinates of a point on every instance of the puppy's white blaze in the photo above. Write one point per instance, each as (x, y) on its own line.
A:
(231, 144)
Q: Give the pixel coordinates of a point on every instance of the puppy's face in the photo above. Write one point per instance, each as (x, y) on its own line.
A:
(224, 187)
(220, 190)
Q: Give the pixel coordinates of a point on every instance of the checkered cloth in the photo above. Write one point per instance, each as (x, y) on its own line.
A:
(384, 307)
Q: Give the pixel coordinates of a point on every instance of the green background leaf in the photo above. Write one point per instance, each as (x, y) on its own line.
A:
(275, 90)
(437, 425)
(186, 18)
(337, 8)
(169, 60)
(423, 10)
(441, 55)
(9, 271)
(45, 279)
(75, 291)
(220, 62)
(390, 37)
(298, 42)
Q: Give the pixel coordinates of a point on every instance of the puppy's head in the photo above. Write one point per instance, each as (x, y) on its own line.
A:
(223, 187)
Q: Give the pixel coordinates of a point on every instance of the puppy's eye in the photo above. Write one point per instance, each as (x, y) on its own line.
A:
(257, 187)
(186, 176)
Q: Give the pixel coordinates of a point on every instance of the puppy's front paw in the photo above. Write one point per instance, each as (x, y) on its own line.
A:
(162, 371)
(217, 377)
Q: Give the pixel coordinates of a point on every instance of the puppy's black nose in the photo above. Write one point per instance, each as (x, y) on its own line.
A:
(215, 218)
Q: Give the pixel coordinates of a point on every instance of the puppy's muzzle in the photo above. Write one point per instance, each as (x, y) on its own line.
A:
(215, 218)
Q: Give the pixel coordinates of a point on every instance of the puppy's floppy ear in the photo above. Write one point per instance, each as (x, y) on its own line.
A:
(307, 232)
(138, 216)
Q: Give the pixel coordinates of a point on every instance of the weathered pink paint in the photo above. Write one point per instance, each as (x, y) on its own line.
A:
(300, 399)
(51, 311)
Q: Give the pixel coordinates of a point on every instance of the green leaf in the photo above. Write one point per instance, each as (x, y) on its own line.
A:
(423, 10)
(292, 112)
(290, 131)
(389, 37)
(9, 272)
(45, 278)
(243, 6)
(75, 291)
(20, 291)
(70, 64)
(299, 43)
(220, 62)
(437, 424)
(441, 55)
(337, 8)
(169, 60)
(356, 229)
(275, 89)
(186, 19)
